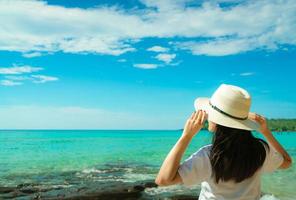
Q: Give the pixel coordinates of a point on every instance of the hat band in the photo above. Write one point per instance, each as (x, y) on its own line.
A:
(224, 113)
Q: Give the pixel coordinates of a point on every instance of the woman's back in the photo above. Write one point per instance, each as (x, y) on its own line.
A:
(197, 169)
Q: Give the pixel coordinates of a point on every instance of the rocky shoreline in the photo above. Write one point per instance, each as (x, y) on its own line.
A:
(107, 182)
(112, 191)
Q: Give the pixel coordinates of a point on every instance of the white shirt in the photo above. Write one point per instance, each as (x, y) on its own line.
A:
(197, 169)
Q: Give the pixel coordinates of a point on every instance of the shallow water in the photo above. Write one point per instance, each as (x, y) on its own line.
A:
(67, 158)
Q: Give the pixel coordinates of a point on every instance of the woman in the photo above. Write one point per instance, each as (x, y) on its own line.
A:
(231, 167)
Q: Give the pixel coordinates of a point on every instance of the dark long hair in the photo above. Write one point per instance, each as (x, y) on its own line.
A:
(236, 154)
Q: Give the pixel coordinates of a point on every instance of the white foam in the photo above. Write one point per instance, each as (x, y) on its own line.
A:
(109, 180)
(93, 170)
(269, 197)
(62, 186)
(174, 189)
(138, 177)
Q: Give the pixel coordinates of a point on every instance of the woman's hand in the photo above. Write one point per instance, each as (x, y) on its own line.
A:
(261, 121)
(194, 123)
(271, 139)
(168, 173)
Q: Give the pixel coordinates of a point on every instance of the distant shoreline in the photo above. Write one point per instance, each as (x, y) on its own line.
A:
(277, 125)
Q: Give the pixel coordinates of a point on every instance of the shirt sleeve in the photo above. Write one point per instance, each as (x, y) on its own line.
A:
(273, 160)
(195, 168)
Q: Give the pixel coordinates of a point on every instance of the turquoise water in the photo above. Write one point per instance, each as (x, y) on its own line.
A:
(51, 157)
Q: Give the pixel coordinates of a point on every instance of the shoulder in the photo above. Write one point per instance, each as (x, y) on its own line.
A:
(203, 151)
(201, 154)
(196, 168)
(264, 144)
(206, 148)
(273, 159)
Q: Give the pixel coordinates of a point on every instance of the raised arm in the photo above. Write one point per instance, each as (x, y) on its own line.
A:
(272, 140)
(168, 173)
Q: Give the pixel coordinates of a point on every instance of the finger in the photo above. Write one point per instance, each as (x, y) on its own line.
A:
(199, 117)
(192, 115)
(196, 115)
(255, 117)
(204, 117)
(259, 118)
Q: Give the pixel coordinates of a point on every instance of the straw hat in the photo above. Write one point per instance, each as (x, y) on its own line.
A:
(229, 106)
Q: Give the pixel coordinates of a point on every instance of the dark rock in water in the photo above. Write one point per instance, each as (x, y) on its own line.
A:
(6, 189)
(29, 190)
(37, 197)
(15, 194)
(139, 187)
(150, 185)
(25, 185)
(103, 184)
(124, 194)
(89, 191)
(184, 197)
(61, 195)
(81, 189)
(132, 194)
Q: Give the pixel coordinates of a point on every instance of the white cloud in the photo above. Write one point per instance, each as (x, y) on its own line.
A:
(71, 30)
(19, 69)
(167, 58)
(9, 83)
(158, 49)
(17, 78)
(12, 80)
(246, 74)
(43, 78)
(220, 47)
(146, 66)
(244, 26)
(31, 54)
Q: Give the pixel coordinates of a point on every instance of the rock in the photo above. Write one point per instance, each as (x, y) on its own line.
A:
(81, 189)
(130, 195)
(150, 185)
(90, 191)
(16, 193)
(25, 185)
(139, 187)
(37, 197)
(184, 197)
(61, 195)
(6, 189)
(30, 190)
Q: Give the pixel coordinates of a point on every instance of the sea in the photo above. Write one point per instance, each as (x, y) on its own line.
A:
(69, 158)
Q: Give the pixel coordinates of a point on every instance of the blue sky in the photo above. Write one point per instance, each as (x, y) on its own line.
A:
(140, 64)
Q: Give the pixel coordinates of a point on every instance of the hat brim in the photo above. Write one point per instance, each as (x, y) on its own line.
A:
(224, 120)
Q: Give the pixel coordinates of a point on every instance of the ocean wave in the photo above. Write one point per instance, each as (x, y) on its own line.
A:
(138, 177)
(268, 197)
(173, 189)
(93, 170)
